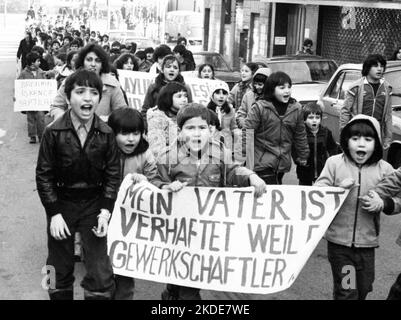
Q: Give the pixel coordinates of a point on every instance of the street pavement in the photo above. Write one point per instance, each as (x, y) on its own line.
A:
(23, 236)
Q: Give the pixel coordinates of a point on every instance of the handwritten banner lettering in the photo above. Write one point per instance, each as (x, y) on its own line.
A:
(34, 95)
(135, 84)
(219, 238)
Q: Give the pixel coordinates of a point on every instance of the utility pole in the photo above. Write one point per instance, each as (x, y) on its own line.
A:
(108, 15)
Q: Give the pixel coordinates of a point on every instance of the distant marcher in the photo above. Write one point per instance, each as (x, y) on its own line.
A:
(307, 47)
(36, 119)
(206, 71)
(245, 85)
(185, 63)
(25, 46)
(143, 64)
(370, 95)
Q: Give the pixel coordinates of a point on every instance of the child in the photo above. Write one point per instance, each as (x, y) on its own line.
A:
(36, 119)
(77, 177)
(255, 94)
(370, 95)
(225, 113)
(321, 145)
(245, 85)
(194, 147)
(170, 71)
(126, 61)
(162, 121)
(206, 71)
(219, 104)
(278, 126)
(136, 159)
(353, 235)
(143, 64)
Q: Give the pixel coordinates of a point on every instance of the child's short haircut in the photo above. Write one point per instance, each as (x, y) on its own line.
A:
(202, 66)
(169, 58)
(165, 98)
(278, 78)
(38, 50)
(179, 48)
(53, 42)
(149, 50)
(31, 57)
(373, 60)
(140, 54)
(83, 78)
(214, 119)
(362, 128)
(310, 108)
(62, 57)
(126, 120)
(75, 42)
(192, 110)
(161, 52)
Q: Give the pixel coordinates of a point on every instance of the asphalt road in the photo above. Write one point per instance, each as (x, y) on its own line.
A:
(23, 237)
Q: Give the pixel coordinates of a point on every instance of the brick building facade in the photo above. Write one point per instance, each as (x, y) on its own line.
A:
(342, 30)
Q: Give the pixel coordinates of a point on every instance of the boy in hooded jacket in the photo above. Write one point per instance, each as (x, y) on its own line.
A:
(353, 235)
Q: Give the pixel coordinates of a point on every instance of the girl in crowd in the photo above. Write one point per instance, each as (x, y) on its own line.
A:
(137, 160)
(170, 68)
(162, 120)
(69, 67)
(206, 71)
(229, 132)
(245, 85)
(278, 125)
(94, 58)
(126, 61)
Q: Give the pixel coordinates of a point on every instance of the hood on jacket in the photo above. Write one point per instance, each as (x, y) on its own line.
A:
(218, 85)
(263, 71)
(374, 124)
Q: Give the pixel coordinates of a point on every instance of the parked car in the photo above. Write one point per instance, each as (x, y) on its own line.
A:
(309, 73)
(222, 69)
(124, 36)
(332, 100)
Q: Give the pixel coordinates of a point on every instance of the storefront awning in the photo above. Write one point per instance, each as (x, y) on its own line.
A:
(388, 4)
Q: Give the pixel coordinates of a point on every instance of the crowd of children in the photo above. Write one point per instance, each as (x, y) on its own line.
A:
(82, 160)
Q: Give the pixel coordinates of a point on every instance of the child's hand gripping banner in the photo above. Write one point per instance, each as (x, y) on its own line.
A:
(34, 95)
(135, 85)
(219, 238)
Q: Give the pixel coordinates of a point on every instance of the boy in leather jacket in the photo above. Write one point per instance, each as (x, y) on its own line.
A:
(77, 177)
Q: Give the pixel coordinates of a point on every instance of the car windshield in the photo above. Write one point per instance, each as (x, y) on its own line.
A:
(215, 60)
(305, 71)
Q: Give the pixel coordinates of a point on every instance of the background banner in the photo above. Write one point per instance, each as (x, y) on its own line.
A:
(135, 85)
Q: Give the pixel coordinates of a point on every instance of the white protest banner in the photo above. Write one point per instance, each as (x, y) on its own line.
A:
(219, 238)
(135, 85)
(34, 95)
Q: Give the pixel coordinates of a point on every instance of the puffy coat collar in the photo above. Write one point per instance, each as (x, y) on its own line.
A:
(292, 106)
(65, 123)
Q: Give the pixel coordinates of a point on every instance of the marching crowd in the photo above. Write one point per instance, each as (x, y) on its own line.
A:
(93, 140)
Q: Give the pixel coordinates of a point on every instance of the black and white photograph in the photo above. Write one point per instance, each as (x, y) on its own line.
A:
(209, 153)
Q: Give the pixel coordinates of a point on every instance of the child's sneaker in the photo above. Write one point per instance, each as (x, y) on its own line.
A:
(32, 140)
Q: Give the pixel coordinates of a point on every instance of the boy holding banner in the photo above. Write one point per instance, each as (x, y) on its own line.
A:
(197, 160)
(36, 119)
